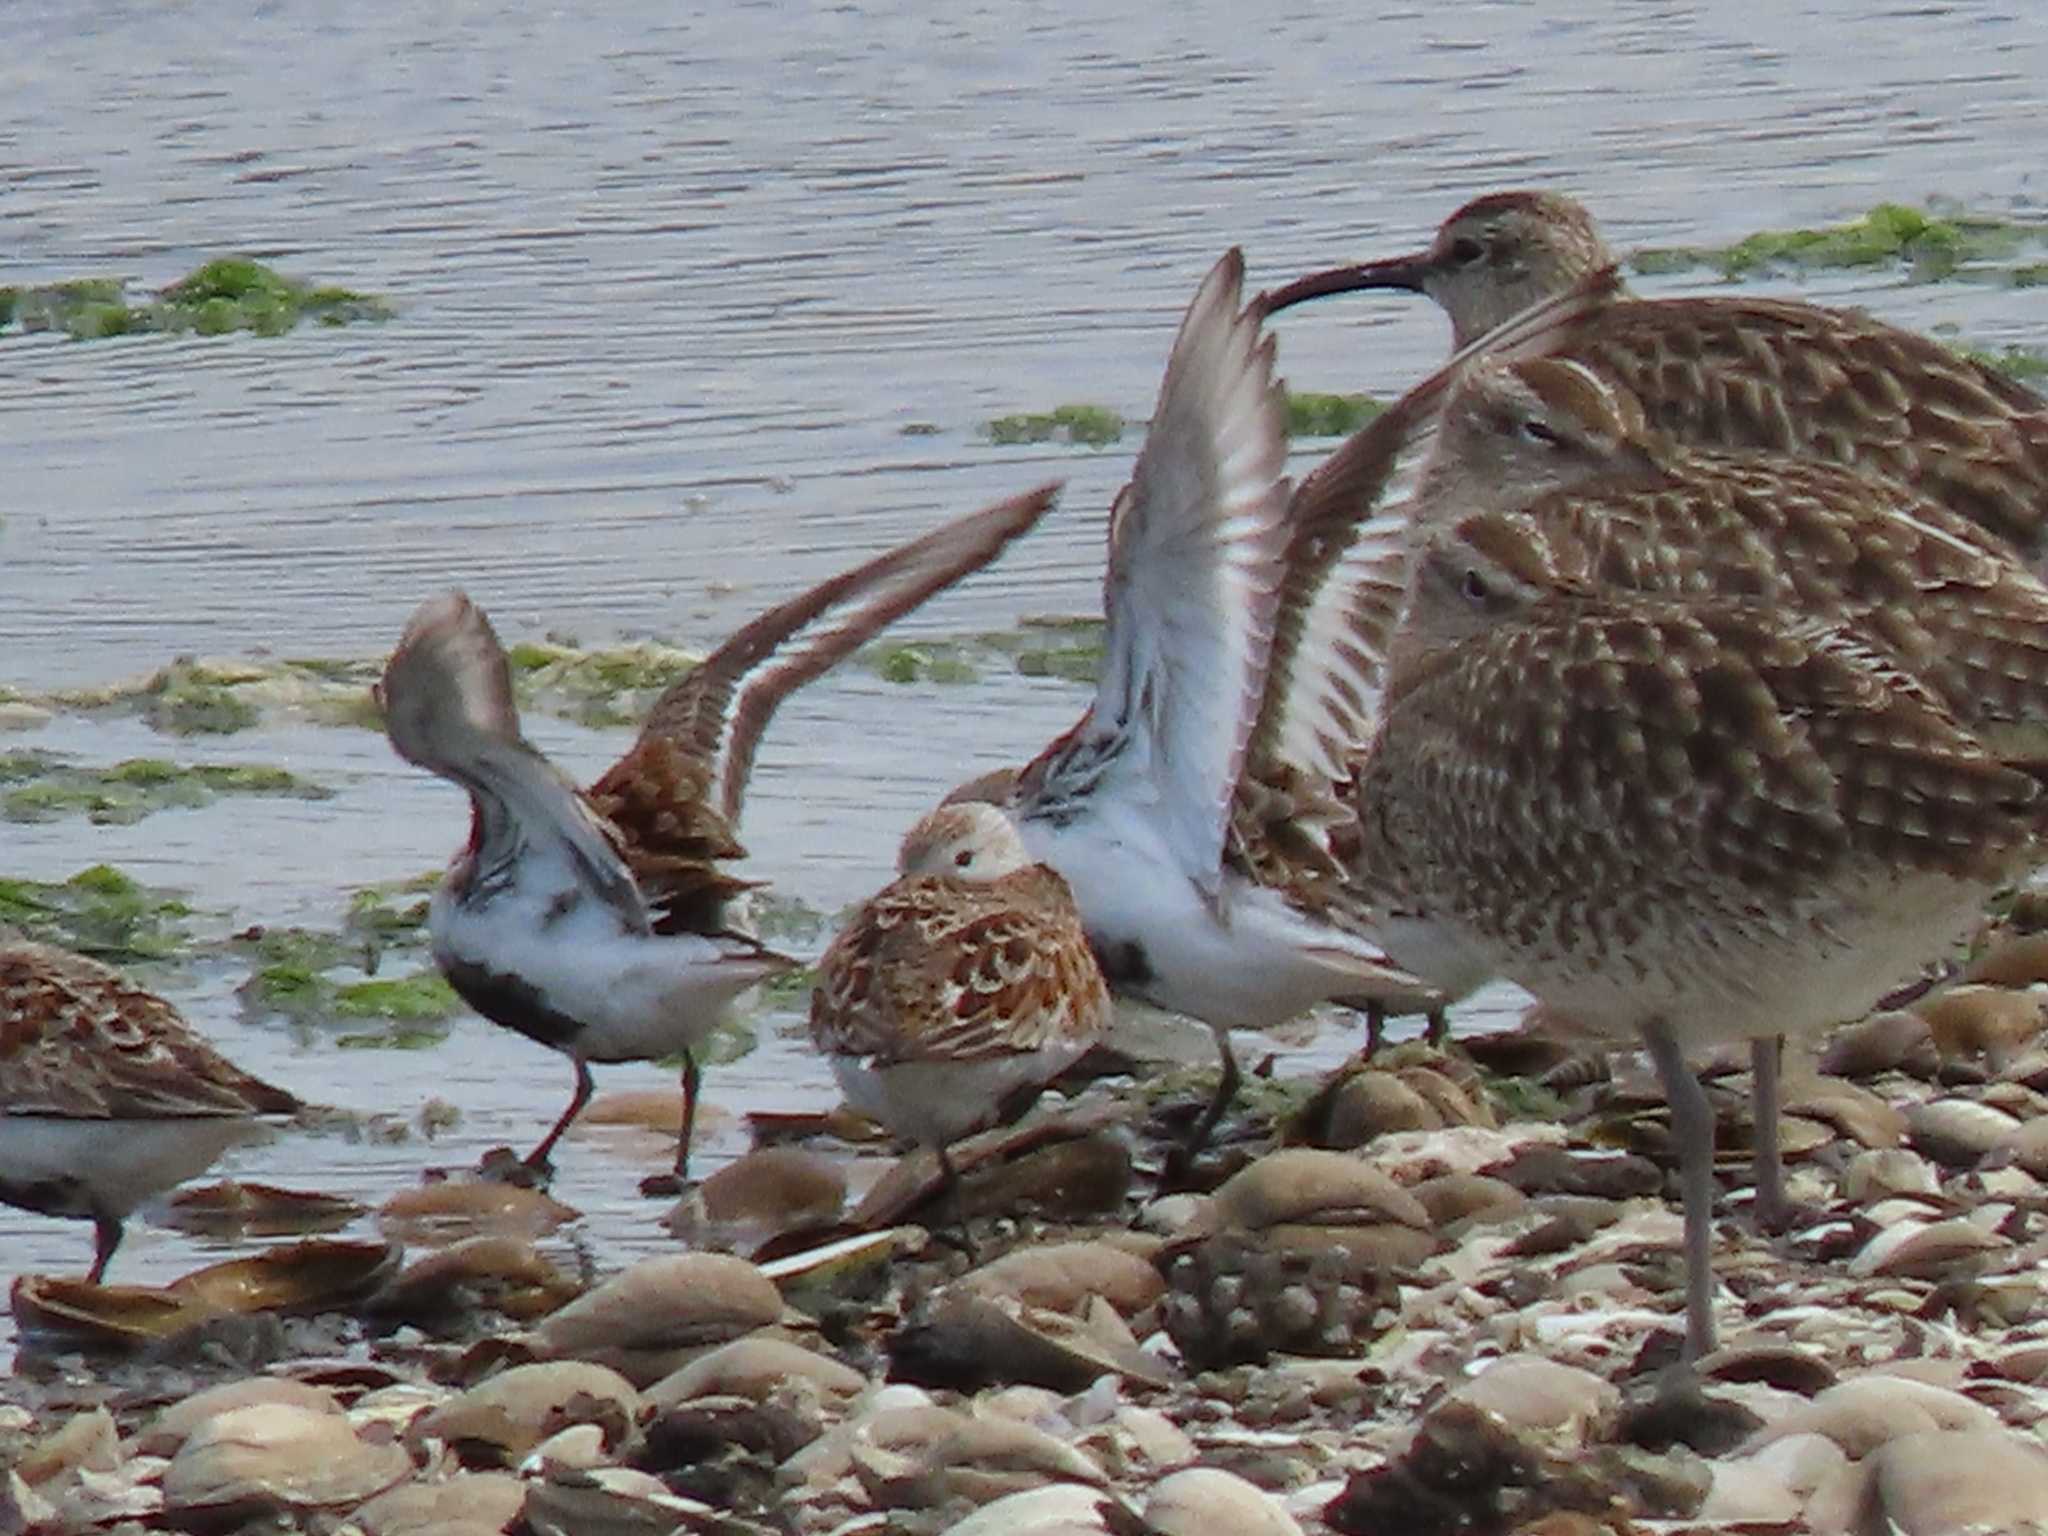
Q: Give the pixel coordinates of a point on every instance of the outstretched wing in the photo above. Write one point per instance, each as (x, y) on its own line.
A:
(715, 716)
(1195, 543)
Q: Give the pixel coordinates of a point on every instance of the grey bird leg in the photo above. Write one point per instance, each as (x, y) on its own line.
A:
(1438, 1027)
(670, 1185)
(106, 1235)
(537, 1159)
(1766, 1059)
(951, 1193)
(1375, 1028)
(1225, 1095)
(1692, 1122)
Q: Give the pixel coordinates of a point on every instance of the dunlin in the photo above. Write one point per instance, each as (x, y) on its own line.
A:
(1744, 372)
(966, 981)
(605, 925)
(107, 1097)
(1195, 843)
(1702, 817)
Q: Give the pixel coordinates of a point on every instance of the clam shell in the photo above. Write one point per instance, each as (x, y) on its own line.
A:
(232, 1208)
(312, 1276)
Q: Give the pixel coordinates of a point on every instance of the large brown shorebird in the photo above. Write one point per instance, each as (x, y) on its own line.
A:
(107, 1096)
(604, 923)
(1733, 372)
(961, 984)
(1740, 372)
(1710, 745)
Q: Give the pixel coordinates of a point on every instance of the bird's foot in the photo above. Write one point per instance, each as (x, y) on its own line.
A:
(666, 1186)
(501, 1165)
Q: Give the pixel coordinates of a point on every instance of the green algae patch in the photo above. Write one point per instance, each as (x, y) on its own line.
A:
(615, 686)
(2025, 364)
(227, 294)
(781, 919)
(790, 988)
(99, 911)
(221, 695)
(39, 786)
(1070, 649)
(394, 912)
(1088, 426)
(1524, 1098)
(1310, 414)
(421, 997)
(213, 696)
(1067, 648)
(1934, 243)
(315, 990)
(936, 661)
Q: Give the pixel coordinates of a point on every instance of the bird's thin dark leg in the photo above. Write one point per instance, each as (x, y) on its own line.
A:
(1219, 1102)
(951, 1195)
(1692, 1123)
(1438, 1028)
(1375, 1028)
(537, 1159)
(106, 1236)
(1766, 1060)
(675, 1183)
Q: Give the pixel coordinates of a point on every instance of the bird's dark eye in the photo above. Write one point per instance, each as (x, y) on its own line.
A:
(1465, 250)
(1474, 587)
(1541, 432)
(963, 858)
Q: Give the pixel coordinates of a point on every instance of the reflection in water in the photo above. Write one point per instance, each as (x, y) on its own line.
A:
(698, 305)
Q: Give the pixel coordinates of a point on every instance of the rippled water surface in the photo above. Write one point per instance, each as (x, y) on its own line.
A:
(672, 283)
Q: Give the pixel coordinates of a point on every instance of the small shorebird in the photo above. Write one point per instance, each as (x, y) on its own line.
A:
(1707, 816)
(1740, 372)
(107, 1097)
(962, 983)
(1190, 809)
(602, 924)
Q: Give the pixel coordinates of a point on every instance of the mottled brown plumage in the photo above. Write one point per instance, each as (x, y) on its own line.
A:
(1581, 489)
(968, 977)
(1746, 373)
(1701, 815)
(107, 1095)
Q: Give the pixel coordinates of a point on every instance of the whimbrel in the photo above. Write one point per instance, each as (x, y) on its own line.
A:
(1669, 774)
(1740, 372)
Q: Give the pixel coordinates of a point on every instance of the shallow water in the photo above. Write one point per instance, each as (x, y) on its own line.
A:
(671, 288)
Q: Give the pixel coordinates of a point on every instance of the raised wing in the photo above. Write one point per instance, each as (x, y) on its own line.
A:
(1195, 541)
(1347, 551)
(715, 716)
(447, 700)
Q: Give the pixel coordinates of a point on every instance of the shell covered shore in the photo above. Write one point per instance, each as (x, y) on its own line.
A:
(1437, 1292)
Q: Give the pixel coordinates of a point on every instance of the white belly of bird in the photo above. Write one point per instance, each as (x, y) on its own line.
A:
(637, 996)
(935, 1103)
(1713, 980)
(1245, 961)
(110, 1166)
